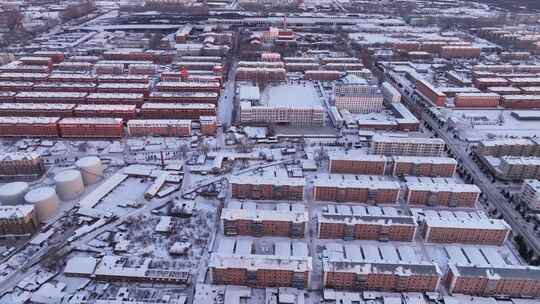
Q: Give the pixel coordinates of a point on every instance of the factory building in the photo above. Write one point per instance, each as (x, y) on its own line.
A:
(365, 223)
(246, 218)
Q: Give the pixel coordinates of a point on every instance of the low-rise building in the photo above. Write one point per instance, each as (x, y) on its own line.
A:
(18, 220)
(386, 145)
(515, 168)
(424, 166)
(358, 189)
(365, 223)
(509, 146)
(357, 163)
(530, 193)
(21, 163)
(274, 185)
(463, 227)
(286, 220)
(234, 263)
(442, 194)
(159, 127)
(383, 268)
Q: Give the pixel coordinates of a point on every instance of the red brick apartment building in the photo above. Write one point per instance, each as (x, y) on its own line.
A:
(51, 97)
(37, 109)
(72, 78)
(55, 56)
(209, 125)
(235, 264)
(356, 163)
(34, 60)
(365, 223)
(322, 75)
(29, 126)
(115, 98)
(103, 110)
(407, 146)
(477, 100)
(378, 268)
(20, 163)
(123, 88)
(184, 97)
(424, 166)
(509, 146)
(343, 188)
(91, 127)
(65, 87)
(260, 74)
(483, 83)
(177, 111)
(16, 86)
(159, 127)
(512, 281)
(24, 76)
(433, 94)
(18, 220)
(521, 101)
(285, 220)
(270, 186)
(188, 87)
(143, 79)
(483, 231)
(468, 52)
(442, 194)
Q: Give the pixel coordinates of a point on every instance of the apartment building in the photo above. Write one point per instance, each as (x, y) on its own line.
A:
(365, 223)
(247, 218)
(357, 163)
(270, 185)
(515, 168)
(21, 163)
(358, 189)
(464, 227)
(433, 94)
(460, 51)
(237, 262)
(484, 272)
(423, 166)
(159, 127)
(442, 194)
(18, 220)
(91, 127)
(530, 193)
(509, 146)
(382, 268)
(405, 146)
(209, 125)
(29, 126)
(477, 100)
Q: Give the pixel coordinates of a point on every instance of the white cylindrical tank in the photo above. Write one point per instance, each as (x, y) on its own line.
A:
(45, 202)
(91, 169)
(69, 184)
(13, 193)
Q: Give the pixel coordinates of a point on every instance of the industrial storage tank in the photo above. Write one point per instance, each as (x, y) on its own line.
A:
(45, 201)
(91, 169)
(13, 193)
(69, 184)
